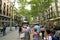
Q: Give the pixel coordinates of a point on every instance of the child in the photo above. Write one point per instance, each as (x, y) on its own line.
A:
(36, 35)
(48, 36)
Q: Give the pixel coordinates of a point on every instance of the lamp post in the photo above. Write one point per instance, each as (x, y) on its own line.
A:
(13, 4)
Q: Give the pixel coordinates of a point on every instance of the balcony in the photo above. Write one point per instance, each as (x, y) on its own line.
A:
(4, 16)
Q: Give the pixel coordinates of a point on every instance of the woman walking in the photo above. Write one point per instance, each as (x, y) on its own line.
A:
(36, 35)
(20, 31)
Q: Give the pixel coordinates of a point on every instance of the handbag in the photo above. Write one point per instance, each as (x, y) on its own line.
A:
(22, 35)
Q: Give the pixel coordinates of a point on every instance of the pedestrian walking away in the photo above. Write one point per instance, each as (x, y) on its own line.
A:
(16, 26)
(4, 29)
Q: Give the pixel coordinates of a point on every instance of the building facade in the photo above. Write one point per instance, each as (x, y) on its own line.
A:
(5, 12)
(52, 16)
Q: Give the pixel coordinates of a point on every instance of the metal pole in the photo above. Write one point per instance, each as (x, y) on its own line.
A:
(12, 14)
(13, 11)
(10, 24)
(11, 20)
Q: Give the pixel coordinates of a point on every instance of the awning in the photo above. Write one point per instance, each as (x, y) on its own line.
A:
(54, 19)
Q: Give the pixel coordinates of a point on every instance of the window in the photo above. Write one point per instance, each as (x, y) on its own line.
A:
(7, 10)
(49, 14)
(2, 18)
(8, 19)
(4, 8)
(5, 18)
(9, 14)
(0, 9)
(0, 6)
(4, 12)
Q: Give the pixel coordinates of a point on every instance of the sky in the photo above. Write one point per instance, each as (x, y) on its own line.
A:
(16, 4)
(28, 7)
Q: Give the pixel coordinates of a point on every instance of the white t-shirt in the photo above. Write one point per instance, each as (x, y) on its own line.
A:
(49, 38)
(28, 28)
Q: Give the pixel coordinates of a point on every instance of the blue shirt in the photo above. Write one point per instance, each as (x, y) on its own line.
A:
(37, 27)
(55, 38)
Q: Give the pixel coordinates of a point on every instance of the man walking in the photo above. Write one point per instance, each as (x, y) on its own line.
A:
(4, 29)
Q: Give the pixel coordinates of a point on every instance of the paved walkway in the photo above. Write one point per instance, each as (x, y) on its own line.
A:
(7, 31)
(11, 36)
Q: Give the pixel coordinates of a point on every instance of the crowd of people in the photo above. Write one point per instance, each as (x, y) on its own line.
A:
(39, 32)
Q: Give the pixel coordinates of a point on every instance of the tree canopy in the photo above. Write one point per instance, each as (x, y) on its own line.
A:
(37, 7)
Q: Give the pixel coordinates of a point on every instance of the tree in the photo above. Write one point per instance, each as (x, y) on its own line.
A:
(38, 7)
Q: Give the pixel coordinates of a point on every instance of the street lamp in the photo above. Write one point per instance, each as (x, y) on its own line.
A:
(13, 4)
